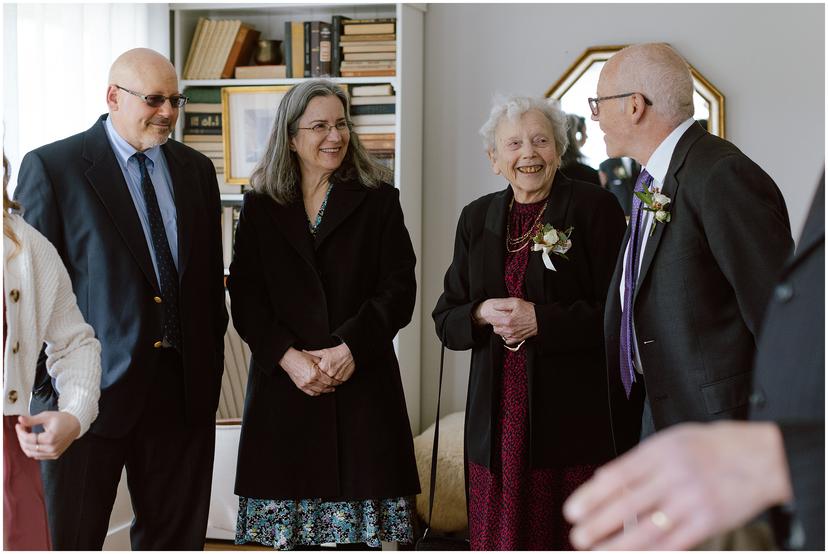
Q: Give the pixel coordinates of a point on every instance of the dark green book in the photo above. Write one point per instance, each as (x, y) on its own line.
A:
(368, 109)
(203, 95)
(288, 51)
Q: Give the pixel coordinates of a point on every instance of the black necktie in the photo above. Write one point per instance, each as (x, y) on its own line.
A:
(168, 276)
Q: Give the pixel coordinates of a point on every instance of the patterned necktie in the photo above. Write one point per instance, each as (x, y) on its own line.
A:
(630, 279)
(167, 274)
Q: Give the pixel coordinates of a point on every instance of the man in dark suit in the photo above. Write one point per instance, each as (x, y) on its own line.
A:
(136, 220)
(711, 478)
(699, 258)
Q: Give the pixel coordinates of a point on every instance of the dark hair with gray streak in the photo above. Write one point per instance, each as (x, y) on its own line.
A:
(277, 173)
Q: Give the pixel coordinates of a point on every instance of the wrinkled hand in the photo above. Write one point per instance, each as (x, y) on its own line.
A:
(681, 487)
(59, 430)
(336, 362)
(304, 371)
(511, 318)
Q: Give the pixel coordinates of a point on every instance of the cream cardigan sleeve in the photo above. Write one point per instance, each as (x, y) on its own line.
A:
(73, 354)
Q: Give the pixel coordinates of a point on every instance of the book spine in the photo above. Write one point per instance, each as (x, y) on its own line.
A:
(314, 49)
(214, 131)
(288, 51)
(336, 50)
(307, 49)
(197, 121)
(203, 95)
(325, 49)
(370, 109)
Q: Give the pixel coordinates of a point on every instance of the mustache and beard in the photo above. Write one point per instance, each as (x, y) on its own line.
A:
(160, 128)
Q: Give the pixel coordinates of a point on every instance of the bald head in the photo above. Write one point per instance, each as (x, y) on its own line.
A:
(136, 74)
(660, 74)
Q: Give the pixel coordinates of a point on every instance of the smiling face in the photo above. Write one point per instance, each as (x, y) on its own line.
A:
(525, 155)
(320, 154)
(141, 125)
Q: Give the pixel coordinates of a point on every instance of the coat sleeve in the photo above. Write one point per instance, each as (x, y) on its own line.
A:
(253, 314)
(216, 257)
(390, 307)
(453, 313)
(567, 327)
(746, 224)
(73, 354)
(805, 452)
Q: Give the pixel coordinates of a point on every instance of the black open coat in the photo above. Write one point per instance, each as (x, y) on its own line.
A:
(353, 281)
(569, 420)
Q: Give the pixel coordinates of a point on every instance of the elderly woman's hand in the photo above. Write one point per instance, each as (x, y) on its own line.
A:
(336, 362)
(511, 318)
(304, 371)
(60, 429)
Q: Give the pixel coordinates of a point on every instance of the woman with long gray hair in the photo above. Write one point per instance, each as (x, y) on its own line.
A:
(322, 280)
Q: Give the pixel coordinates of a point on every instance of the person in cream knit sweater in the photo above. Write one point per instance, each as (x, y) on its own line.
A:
(39, 307)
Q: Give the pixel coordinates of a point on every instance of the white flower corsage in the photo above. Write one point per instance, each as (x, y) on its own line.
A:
(550, 239)
(656, 202)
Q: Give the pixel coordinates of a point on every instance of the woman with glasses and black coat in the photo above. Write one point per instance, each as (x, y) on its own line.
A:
(322, 280)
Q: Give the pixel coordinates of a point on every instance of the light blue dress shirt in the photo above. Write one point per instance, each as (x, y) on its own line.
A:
(161, 182)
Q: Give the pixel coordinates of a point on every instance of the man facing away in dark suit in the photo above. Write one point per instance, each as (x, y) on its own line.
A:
(693, 481)
(136, 220)
(698, 261)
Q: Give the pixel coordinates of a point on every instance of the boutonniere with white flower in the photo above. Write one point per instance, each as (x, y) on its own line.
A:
(657, 203)
(548, 239)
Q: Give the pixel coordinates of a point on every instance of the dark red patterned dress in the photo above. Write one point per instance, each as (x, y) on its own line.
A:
(514, 507)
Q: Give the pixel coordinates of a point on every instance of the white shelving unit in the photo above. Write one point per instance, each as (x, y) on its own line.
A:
(269, 19)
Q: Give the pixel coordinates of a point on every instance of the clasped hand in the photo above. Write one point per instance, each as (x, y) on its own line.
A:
(511, 318)
(316, 372)
(59, 430)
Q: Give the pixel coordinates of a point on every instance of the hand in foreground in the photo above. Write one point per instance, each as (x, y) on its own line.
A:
(681, 487)
(336, 362)
(303, 370)
(511, 318)
(59, 430)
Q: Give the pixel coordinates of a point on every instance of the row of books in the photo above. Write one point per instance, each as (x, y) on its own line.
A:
(218, 47)
(373, 111)
(342, 48)
(203, 124)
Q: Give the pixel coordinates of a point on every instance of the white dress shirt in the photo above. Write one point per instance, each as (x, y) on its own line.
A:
(657, 167)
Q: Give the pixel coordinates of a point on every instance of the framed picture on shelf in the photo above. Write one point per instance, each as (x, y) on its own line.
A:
(248, 114)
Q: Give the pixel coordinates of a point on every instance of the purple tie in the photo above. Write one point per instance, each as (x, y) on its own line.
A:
(631, 276)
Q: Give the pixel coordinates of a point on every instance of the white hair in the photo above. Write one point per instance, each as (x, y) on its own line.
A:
(513, 107)
(659, 73)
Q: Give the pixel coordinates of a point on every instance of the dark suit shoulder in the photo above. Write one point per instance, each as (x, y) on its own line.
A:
(587, 192)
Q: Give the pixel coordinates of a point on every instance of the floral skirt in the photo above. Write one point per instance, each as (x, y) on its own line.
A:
(287, 524)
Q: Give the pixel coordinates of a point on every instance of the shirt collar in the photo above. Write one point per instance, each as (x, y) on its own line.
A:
(659, 162)
(124, 150)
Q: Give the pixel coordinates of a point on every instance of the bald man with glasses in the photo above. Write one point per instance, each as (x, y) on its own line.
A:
(136, 219)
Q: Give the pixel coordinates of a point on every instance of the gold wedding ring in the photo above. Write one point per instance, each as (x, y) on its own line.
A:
(661, 520)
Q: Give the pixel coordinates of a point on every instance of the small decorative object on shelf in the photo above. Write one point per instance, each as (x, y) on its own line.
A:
(268, 52)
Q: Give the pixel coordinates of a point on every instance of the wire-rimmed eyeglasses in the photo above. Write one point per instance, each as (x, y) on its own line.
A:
(593, 102)
(323, 129)
(157, 100)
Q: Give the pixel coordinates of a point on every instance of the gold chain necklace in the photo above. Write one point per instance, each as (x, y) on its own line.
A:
(521, 242)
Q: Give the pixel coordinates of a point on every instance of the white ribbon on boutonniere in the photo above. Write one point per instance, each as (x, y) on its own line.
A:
(657, 203)
(548, 239)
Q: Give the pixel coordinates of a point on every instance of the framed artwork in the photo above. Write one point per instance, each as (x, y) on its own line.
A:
(248, 114)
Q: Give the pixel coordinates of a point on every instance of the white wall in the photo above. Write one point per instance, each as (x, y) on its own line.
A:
(768, 60)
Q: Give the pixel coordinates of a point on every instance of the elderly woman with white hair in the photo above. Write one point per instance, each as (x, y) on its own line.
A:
(525, 292)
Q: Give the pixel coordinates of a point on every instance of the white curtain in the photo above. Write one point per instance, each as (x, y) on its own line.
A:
(56, 58)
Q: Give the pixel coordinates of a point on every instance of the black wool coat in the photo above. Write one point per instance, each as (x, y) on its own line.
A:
(569, 420)
(354, 281)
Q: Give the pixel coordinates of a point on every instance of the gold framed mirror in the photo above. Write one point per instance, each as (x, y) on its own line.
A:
(580, 81)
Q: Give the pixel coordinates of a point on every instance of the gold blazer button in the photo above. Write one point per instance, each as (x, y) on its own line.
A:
(15, 295)
(12, 396)
(157, 299)
(157, 344)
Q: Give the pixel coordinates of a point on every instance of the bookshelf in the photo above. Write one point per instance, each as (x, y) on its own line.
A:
(270, 20)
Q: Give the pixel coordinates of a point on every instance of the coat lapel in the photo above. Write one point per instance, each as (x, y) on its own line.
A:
(557, 206)
(180, 168)
(345, 197)
(669, 188)
(106, 178)
(494, 244)
(292, 222)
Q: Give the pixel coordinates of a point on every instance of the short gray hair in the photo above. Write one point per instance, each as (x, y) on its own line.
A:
(512, 107)
(277, 174)
(659, 73)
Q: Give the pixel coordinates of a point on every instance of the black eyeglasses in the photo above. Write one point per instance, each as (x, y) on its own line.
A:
(157, 100)
(593, 102)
